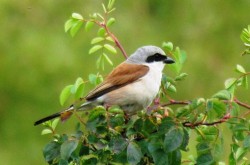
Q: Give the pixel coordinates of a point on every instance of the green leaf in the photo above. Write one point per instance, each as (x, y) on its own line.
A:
(110, 39)
(166, 124)
(54, 123)
(203, 148)
(84, 150)
(181, 77)
(175, 157)
(245, 82)
(68, 24)
(185, 140)
(118, 144)
(179, 57)
(99, 79)
(75, 27)
(46, 131)
(90, 159)
(246, 142)
(173, 140)
(110, 48)
(107, 59)
(240, 127)
(240, 69)
(117, 121)
(67, 148)
(65, 94)
(97, 40)
(158, 154)
(116, 110)
(170, 87)
(92, 79)
(205, 159)
(234, 109)
(111, 21)
(99, 61)
(230, 82)
(223, 95)
(77, 16)
(78, 82)
(101, 32)
(240, 153)
(168, 46)
(245, 36)
(89, 25)
(100, 16)
(134, 153)
(104, 8)
(63, 162)
(95, 48)
(148, 127)
(219, 107)
(78, 88)
(169, 79)
(111, 4)
(51, 151)
(232, 160)
(79, 91)
(97, 113)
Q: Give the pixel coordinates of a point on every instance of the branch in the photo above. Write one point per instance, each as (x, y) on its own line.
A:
(174, 102)
(241, 103)
(118, 44)
(193, 125)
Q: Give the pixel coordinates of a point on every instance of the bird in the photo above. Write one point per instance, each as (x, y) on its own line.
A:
(132, 85)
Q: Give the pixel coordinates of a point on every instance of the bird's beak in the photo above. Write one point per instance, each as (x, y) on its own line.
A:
(169, 60)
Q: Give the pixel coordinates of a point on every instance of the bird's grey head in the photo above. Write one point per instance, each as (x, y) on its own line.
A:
(149, 54)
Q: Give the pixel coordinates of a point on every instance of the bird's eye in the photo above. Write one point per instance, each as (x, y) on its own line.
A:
(156, 54)
(156, 57)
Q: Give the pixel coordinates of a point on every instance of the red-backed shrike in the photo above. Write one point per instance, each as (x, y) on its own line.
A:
(132, 85)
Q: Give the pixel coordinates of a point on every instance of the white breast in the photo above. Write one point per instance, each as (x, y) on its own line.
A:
(149, 85)
(138, 95)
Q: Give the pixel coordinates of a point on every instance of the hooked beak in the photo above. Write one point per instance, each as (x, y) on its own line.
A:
(169, 60)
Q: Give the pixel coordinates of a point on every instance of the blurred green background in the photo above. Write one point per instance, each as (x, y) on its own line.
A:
(37, 59)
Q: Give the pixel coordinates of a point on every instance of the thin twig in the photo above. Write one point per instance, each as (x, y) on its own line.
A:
(193, 125)
(118, 44)
(174, 102)
(245, 105)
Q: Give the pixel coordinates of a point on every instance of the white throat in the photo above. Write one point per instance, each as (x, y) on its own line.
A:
(158, 66)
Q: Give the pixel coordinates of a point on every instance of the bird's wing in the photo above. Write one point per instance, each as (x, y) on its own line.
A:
(122, 75)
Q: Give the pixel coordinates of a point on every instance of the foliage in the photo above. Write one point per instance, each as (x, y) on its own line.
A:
(162, 133)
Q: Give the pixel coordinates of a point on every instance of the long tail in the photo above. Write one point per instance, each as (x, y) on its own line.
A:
(65, 114)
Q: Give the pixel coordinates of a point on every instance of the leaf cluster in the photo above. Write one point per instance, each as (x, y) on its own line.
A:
(110, 139)
(103, 43)
(245, 37)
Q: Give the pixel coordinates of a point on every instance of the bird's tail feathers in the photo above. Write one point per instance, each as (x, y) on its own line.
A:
(65, 114)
